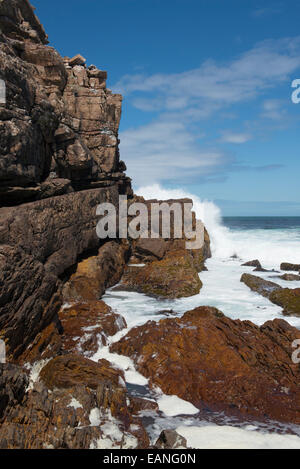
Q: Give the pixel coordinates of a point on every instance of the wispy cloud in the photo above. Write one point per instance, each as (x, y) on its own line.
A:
(170, 147)
(238, 138)
(273, 109)
(167, 151)
(262, 12)
(263, 67)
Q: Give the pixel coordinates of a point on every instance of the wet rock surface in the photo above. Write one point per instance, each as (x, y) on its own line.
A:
(290, 267)
(288, 299)
(211, 360)
(86, 326)
(260, 285)
(173, 277)
(84, 406)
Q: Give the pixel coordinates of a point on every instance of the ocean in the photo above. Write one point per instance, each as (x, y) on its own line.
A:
(234, 240)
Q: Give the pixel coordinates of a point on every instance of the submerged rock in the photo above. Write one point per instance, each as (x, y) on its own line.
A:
(219, 363)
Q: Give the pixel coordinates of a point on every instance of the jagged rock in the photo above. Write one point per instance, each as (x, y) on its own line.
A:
(287, 266)
(290, 277)
(220, 363)
(97, 273)
(58, 115)
(87, 325)
(170, 439)
(148, 249)
(260, 285)
(77, 60)
(138, 404)
(58, 231)
(173, 277)
(72, 418)
(13, 383)
(288, 299)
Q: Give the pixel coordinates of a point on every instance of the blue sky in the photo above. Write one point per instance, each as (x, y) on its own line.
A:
(207, 92)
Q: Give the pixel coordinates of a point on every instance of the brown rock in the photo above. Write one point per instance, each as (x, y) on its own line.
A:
(169, 439)
(33, 261)
(77, 60)
(173, 277)
(260, 285)
(69, 419)
(67, 371)
(288, 299)
(254, 263)
(13, 382)
(290, 277)
(87, 325)
(288, 266)
(213, 361)
(97, 273)
(138, 404)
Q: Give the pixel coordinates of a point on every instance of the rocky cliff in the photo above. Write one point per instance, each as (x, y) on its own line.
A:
(59, 158)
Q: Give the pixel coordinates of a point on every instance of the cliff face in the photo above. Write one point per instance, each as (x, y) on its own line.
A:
(59, 159)
(59, 127)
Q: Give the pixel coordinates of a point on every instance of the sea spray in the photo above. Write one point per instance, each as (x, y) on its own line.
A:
(271, 247)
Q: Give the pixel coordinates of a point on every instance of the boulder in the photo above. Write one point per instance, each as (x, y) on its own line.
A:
(260, 285)
(173, 277)
(218, 363)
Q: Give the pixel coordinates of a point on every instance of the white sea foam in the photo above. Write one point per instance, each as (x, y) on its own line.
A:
(227, 437)
(271, 247)
(221, 288)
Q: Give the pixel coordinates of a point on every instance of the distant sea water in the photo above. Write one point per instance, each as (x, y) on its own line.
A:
(262, 223)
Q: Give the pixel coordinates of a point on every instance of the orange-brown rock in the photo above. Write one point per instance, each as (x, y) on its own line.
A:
(67, 371)
(211, 360)
(74, 418)
(86, 326)
(138, 404)
(96, 273)
(173, 277)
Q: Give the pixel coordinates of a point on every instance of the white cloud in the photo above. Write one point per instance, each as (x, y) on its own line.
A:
(273, 109)
(259, 69)
(168, 149)
(231, 137)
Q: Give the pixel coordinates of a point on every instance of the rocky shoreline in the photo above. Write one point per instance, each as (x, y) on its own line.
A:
(59, 159)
